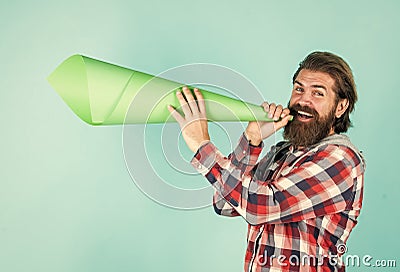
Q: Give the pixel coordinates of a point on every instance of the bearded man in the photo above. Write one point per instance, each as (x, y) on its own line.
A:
(302, 199)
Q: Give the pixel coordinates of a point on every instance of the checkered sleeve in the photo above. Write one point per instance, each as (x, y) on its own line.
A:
(321, 184)
(222, 207)
(244, 157)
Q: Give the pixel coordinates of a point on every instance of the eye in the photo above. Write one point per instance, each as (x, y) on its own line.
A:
(318, 93)
(299, 89)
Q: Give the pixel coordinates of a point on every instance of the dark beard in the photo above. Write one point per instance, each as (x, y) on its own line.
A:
(310, 133)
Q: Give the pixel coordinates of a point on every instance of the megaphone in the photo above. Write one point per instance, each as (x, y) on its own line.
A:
(102, 93)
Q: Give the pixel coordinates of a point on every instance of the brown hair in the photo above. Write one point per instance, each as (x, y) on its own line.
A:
(345, 87)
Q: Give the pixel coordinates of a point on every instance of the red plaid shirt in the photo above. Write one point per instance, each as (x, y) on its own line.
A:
(301, 205)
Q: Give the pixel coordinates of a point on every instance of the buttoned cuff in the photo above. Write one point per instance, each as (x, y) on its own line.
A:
(205, 158)
(247, 153)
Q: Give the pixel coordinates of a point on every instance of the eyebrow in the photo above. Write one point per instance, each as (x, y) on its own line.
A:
(314, 86)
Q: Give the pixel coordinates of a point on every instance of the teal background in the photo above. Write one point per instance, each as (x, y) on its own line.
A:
(67, 202)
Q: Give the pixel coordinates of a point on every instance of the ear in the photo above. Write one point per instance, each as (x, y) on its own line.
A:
(341, 107)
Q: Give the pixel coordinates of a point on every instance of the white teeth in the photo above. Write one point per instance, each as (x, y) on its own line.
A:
(305, 113)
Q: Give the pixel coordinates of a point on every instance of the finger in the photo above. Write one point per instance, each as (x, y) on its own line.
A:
(285, 112)
(278, 112)
(184, 104)
(191, 101)
(200, 101)
(265, 105)
(176, 115)
(271, 110)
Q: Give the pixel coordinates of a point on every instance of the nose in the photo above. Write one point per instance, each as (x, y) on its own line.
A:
(305, 99)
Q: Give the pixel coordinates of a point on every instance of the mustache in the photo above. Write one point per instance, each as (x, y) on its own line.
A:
(297, 107)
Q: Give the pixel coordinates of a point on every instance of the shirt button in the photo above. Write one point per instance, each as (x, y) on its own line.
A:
(199, 166)
(244, 151)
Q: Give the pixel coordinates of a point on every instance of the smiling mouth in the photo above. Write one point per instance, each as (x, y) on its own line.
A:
(304, 115)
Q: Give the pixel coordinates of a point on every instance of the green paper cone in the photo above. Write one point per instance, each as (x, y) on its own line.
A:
(101, 93)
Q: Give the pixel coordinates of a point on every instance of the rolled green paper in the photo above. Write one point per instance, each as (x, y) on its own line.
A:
(102, 93)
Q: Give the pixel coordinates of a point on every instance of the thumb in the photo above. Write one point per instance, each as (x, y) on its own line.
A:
(283, 122)
(175, 114)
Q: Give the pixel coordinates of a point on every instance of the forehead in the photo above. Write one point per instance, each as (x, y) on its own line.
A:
(310, 78)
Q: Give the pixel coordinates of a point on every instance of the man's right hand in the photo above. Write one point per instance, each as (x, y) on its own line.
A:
(256, 131)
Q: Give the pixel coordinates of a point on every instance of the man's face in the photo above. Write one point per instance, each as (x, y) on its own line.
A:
(313, 104)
